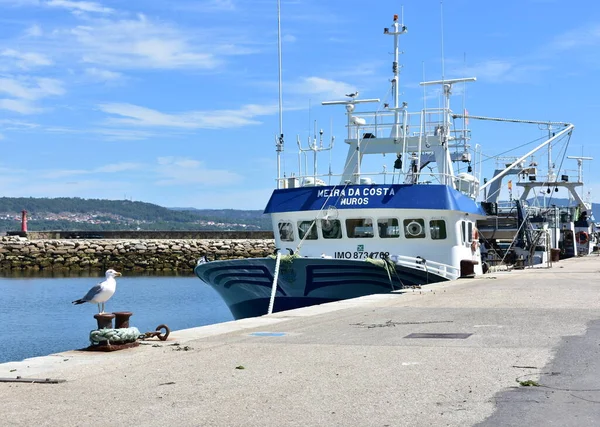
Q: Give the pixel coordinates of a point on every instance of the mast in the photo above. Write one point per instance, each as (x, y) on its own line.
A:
(551, 176)
(444, 132)
(397, 30)
(279, 141)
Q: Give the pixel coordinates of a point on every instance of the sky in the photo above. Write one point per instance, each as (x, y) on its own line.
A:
(176, 102)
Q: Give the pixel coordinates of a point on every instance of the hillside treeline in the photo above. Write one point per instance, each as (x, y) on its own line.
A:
(97, 214)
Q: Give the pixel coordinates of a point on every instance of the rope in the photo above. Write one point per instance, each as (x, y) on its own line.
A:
(285, 258)
(119, 336)
(389, 266)
(274, 287)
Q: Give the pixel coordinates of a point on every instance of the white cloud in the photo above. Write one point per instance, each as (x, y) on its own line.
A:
(124, 134)
(580, 37)
(25, 91)
(110, 168)
(221, 4)
(100, 189)
(26, 59)
(63, 173)
(107, 133)
(34, 31)
(80, 6)
(205, 6)
(118, 167)
(101, 75)
(10, 124)
(213, 119)
(501, 71)
(243, 199)
(18, 106)
(21, 2)
(140, 43)
(182, 171)
(321, 86)
(31, 88)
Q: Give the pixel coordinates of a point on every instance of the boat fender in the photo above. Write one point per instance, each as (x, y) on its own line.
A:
(475, 240)
(582, 237)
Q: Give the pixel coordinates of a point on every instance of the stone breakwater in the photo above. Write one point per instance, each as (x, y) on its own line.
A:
(18, 253)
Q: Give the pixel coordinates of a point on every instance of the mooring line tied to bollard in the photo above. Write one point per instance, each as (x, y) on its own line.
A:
(115, 336)
(112, 339)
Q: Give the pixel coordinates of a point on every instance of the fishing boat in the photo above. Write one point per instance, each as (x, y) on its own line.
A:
(361, 232)
(531, 231)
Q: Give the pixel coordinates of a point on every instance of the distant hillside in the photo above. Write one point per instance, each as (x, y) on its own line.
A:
(97, 214)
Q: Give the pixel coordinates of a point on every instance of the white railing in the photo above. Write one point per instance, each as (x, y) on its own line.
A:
(381, 123)
(444, 270)
(466, 185)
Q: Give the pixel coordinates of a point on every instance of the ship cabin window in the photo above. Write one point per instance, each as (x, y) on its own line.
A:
(414, 228)
(359, 227)
(307, 230)
(466, 232)
(388, 227)
(331, 228)
(437, 229)
(286, 231)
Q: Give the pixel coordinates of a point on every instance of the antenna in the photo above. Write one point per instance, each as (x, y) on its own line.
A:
(442, 38)
(465, 121)
(309, 118)
(279, 143)
(424, 90)
(396, 30)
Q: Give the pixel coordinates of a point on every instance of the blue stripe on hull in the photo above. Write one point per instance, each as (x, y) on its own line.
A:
(245, 284)
(390, 196)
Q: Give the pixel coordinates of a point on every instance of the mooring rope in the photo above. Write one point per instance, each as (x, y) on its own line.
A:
(118, 336)
(275, 279)
(286, 258)
(389, 266)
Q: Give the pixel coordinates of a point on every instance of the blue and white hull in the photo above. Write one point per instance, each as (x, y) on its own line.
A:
(246, 284)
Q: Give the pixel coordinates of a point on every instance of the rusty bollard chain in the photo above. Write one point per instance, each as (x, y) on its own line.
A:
(157, 333)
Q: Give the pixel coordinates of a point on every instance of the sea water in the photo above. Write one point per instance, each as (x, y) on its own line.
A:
(37, 317)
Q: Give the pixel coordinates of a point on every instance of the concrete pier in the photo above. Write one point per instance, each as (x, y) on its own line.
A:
(362, 362)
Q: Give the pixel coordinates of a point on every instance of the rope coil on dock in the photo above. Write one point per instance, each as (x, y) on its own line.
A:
(118, 336)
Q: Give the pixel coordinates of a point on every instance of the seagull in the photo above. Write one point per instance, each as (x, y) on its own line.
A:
(352, 95)
(102, 292)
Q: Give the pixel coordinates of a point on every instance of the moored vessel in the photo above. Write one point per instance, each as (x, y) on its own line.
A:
(361, 232)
